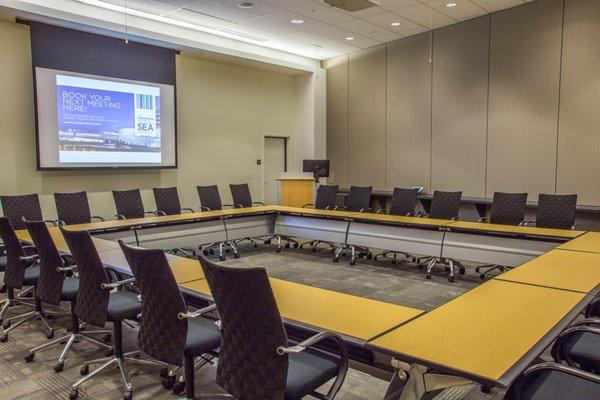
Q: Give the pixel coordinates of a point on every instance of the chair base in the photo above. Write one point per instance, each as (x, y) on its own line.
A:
(394, 256)
(490, 268)
(343, 249)
(189, 253)
(450, 265)
(224, 247)
(288, 240)
(12, 301)
(71, 339)
(315, 243)
(30, 316)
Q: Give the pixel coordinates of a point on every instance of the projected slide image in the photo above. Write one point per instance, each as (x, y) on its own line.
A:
(102, 121)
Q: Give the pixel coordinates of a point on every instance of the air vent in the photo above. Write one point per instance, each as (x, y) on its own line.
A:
(353, 5)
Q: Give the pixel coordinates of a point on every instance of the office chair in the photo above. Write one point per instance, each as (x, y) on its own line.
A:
(326, 199)
(47, 277)
(129, 204)
(97, 303)
(73, 208)
(210, 200)
(168, 332)
(20, 273)
(18, 208)
(579, 346)
(507, 209)
(255, 358)
(359, 200)
(555, 211)
(444, 205)
(404, 202)
(167, 203)
(53, 287)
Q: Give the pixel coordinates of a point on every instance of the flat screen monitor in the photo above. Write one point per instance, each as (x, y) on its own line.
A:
(319, 168)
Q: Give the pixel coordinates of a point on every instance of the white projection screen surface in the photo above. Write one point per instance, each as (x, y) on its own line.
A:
(90, 121)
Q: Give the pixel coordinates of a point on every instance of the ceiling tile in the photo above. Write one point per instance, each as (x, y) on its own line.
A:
(285, 17)
(172, 3)
(261, 8)
(319, 12)
(495, 5)
(385, 19)
(213, 9)
(424, 16)
(388, 37)
(275, 28)
(361, 27)
(396, 4)
(365, 43)
(463, 10)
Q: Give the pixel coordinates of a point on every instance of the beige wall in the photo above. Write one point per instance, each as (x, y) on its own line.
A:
(223, 112)
(509, 103)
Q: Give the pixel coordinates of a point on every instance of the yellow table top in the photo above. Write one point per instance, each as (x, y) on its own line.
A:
(485, 331)
(589, 242)
(519, 230)
(559, 269)
(324, 309)
(61, 244)
(184, 269)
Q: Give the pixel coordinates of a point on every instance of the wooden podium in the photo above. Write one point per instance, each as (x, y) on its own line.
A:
(296, 191)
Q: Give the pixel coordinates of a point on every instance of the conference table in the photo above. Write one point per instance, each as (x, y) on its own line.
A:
(488, 335)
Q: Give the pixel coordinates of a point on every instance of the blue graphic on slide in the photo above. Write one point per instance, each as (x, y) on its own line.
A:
(94, 122)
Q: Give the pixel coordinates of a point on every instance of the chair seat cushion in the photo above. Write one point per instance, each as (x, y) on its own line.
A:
(307, 371)
(69, 289)
(31, 275)
(584, 349)
(123, 305)
(556, 385)
(203, 335)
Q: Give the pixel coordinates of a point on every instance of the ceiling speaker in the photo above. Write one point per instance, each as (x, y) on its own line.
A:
(353, 5)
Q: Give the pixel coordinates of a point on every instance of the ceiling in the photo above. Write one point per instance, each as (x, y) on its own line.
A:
(324, 29)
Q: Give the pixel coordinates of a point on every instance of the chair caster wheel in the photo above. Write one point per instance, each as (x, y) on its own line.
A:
(205, 252)
(477, 270)
(59, 367)
(178, 388)
(211, 252)
(287, 245)
(428, 276)
(268, 241)
(447, 269)
(29, 357)
(84, 370)
(482, 276)
(335, 259)
(296, 245)
(221, 258)
(227, 251)
(353, 262)
(50, 335)
(107, 338)
(128, 395)
(375, 258)
(255, 245)
(6, 324)
(314, 249)
(394, 262)
(74, 395)
(413, 259)
(450, 279)
(164, 372)
(278, 250)
(3, 338)
(168, 382)
(236, 255)
(461, 270)
(369, 256)
(485, 389)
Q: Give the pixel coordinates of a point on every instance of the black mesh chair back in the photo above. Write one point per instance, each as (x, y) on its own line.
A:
(445, 205)
(241, 195)
(51, 280)
(404, 201)
(252, 330)
(73, 208)
(556, 211)
(167, 200)
(508, 208)
(326, 196)
(210, 199)
(162, 335)
(359, 198)
(15, 267)
(15, 208)
(92, 300)
(129, 203)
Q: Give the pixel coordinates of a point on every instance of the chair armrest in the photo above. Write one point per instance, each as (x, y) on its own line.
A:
(574, 226)
(53, 222)
(528, 223)
(229, 205)
(238, 206)
(595, 322)
(484, 219)
(33, 257)
(455, 218)
(204, 208)
(536, 369)
(98, 218)
(120, 216)
(155, 213)
(559, 352)
(187, 209)
(423, 215)
(258, 202)
(589, 310)
(382, 210)
(311, 205)
(197, 313)
(61, 222)
(66, 269)
(115, 285)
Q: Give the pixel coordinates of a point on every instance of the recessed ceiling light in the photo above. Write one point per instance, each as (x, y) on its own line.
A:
(450, 5)
(349, 38)
(246, 4)
(297, 21)
(395, 23)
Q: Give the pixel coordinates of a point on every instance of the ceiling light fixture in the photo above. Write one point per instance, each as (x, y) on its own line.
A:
(246, 4)
(349, 38)
(450, 5)
(395, 23)
(297, 21)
